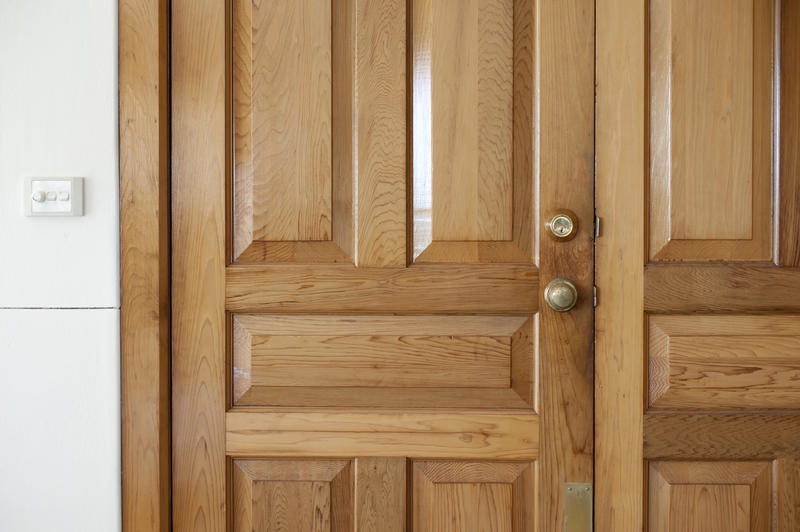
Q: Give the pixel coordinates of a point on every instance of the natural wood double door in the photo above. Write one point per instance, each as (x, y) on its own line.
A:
(360, 341)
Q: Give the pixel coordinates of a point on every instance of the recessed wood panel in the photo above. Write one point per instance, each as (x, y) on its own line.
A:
(292, 92)
(710, 497)
(711, 126)
(472, 124)
(473, 496)
(284, 495)
(724, 362)
(346, 357)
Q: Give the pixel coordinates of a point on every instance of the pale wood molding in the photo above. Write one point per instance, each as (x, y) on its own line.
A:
(619, 255)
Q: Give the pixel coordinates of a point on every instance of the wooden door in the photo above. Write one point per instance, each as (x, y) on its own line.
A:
(698, 345)
(359, 191)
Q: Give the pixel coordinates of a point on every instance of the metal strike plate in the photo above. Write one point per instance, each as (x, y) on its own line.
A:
(577, 507)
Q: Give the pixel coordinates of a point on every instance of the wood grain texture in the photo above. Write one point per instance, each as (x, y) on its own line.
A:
(199, 134)
(373, 361)
(789, 148)
(381, 95)
(343, 94)
(566, 107)
(359, 397)
(724, 362)
(688, 289)
(284, 495)
(710, 496)
(472, 72)
(144, 263)
(293, 132)
(381, 494)
(620, 252)
(721, 436)
(291, 119)
(788, 486)
(473, 496)
(710, 129)
(567, 445)
(431, 289)
(510, 435)
(379, 353)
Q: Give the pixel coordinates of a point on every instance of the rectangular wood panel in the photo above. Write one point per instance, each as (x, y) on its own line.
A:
(284, 495)
(292, 86)
(711, 126)
(373, 360)
(473, 496)
(710, 497)
(381, 494)
(472, 179)
(724, 362)
(381, 136)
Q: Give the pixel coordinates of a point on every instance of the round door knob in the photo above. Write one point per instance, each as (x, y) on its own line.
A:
(561, 295)
(563, 225)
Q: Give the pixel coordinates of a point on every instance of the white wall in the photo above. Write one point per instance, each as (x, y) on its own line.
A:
(59, 280)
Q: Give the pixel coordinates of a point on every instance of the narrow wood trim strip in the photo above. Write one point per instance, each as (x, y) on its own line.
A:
(620, 251)
(512, 435)
(721, 436)
(789, 208)
(485, 289)
(144, 263)
(721, 288)
(200, 147)
(563, 34)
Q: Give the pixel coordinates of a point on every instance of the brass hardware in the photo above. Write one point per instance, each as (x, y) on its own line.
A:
(563, 225)
(561, 295)
(577, 507)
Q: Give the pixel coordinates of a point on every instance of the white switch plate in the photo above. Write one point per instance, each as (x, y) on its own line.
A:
(54, 196)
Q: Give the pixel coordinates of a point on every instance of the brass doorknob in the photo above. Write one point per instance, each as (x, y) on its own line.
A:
(561, 295)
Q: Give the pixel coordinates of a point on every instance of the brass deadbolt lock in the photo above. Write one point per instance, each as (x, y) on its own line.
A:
(562, 225)
(561, 295)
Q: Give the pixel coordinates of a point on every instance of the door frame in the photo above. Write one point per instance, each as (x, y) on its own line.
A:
(144, 263)
(144, 144)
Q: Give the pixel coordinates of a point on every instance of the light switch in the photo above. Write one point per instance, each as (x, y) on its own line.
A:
(53, 196)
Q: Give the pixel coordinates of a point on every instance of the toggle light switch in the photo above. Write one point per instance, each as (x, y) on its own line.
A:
(56, 196)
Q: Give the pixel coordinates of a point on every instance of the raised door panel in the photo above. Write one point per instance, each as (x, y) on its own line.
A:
(472, 102)
(388, 361)
(288, 496)
(724, 362)
(711, 130)
(292, 153)
(710, 497)
(473, 496)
